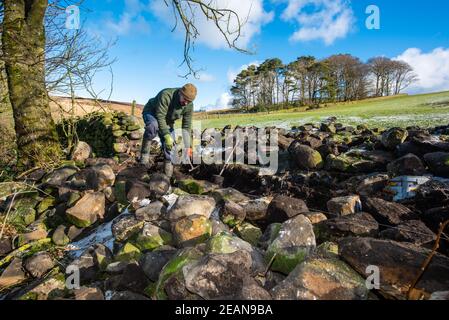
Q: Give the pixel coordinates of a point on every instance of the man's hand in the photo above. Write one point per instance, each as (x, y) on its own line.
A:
(168, 140)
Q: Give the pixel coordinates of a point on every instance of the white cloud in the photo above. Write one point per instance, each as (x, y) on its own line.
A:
(432, 69)
(326, 20)
(222, 103)
(251, 12)
(232, 73)
(205, 77)
(131, 20)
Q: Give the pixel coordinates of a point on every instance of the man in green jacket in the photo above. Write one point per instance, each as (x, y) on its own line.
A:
(160, 114)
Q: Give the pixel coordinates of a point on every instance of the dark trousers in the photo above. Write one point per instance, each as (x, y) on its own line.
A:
(152, 130)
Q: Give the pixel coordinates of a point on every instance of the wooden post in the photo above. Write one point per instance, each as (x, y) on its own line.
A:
(133, 108)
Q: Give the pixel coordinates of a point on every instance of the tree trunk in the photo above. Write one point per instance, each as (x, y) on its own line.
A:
(7, 142)
(23, 46)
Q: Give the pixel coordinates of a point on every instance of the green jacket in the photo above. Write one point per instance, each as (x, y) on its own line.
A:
(166, 109)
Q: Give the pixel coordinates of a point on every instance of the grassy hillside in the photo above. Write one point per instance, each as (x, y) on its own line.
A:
(424, 110)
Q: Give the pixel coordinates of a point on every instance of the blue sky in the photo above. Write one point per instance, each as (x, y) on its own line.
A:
(148, 52)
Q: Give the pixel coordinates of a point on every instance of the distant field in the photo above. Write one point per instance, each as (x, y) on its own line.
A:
(423, 110)
(61, 107)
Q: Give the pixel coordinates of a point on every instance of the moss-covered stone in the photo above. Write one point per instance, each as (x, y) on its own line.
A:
(173, 268)
(224, 243)
(341, 163)
(133, 127)
(23, 217)
(295, 241)
(249, 233)
(128, 252)
(192, 230)
(73, 198)
(191, 186)
(46, 203)
(179, 192)
(118, 133)
(152, 237)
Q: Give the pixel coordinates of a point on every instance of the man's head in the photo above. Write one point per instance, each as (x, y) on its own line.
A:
(187, 94)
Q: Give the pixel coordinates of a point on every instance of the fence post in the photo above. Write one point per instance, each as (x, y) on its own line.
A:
(133, 108)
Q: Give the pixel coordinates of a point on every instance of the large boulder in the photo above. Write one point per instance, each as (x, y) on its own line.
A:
(191, 230)
(137, 191)
(225, 242)
(257, 209)
(389, 213)
(13, 275)
(393, 137)
(438, 163)
(192, 205)
(249, 232)
(322, 279)
(171, 283)
(408, 165)
(343, 206)
(399, 265)
(229, 194)
(59, 176)
(294, 242)
(152, 237)
(357, 225)
(81, 152)
(87, 210)
(153, 262)
(218, 276)
(306, 157)
(151, 212)
(51, 288)
(283, 208)
(132, 278)
(159, 184)
(414, 231)
(125, 227)
(89, 294)
(97, 178)
(359, 161)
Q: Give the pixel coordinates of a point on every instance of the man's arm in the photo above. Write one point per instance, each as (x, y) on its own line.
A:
(162, 105)
(187, 126)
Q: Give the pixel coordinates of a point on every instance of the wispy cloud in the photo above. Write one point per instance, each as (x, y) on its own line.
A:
(131, 19)
(206, 77)
(326, 20)
(432, 69)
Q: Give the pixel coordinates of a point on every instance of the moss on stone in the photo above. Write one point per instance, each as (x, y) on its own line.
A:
(128, 252)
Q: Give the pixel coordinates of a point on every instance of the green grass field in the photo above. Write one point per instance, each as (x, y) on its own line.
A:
(424, 110)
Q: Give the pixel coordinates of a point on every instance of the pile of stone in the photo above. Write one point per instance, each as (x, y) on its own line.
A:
(110, 135)
(325, 228)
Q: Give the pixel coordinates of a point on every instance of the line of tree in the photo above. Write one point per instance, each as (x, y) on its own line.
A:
(308, 81)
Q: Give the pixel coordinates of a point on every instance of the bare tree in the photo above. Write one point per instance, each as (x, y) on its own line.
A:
(391, 76)
(403, 76)
(228, 22)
